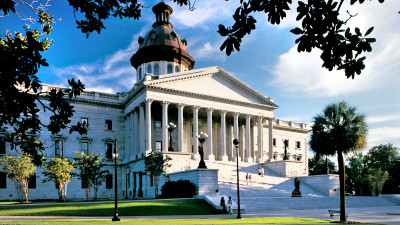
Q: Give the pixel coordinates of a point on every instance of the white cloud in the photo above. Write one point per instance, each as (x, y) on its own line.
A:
(384, 118)
(208, 51)
(384, 135)
(301, 73)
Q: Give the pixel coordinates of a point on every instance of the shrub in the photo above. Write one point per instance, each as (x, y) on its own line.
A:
(178, 189)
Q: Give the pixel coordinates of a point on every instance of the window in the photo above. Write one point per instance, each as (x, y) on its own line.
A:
(32, 181)
(298, 144)
(158, 145)
(157, 124)
(85, 121)
(109, 150)
(2, 146)
(58, 148)
(156, 69)
(274, 142)
(176, 69)
(149, 68)
(109, 181)
(140, 73)
(108, 124)
(169, 68)
(3, 180)
(85, 147)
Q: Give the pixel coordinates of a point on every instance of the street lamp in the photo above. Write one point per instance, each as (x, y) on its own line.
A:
(202, 138)
(286, 143)
(236, 143)
(116, 218)
(171, 127)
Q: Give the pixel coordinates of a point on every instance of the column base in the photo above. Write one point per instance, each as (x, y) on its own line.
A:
(234, 159)
(248, 159)
(196, 156)
(260, 160)
(224, 158)
(211, 158)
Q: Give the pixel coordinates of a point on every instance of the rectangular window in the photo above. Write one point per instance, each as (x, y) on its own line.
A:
(109, 150)
(2, 146)
(274, 142)
(108, 124)
(128, 180)
(85, 147)
(158, 145)
(109, 181)
(32, 182)
(298, 144)
(3, 180)
(85, 121)
(157, 124)
(58, 148)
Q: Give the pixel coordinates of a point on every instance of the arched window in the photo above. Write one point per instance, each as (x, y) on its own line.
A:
(169, 68)
(140, 73)
(156, 69)
(176, 69)
(149, 68)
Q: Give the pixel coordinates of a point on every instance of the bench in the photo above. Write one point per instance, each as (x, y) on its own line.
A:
(334, 213)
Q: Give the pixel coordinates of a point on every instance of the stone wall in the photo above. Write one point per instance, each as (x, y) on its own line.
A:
(287, 168)
(327, 184)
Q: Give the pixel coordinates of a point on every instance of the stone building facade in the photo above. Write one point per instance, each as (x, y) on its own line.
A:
(168, 90)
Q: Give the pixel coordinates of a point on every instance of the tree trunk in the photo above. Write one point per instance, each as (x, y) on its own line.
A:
(156, 178)
(88, 193)
(95, 189)
(18, 185)
(342, 187)
(327, 165)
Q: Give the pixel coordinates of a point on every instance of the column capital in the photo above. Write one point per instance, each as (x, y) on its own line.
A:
(248, 116)
(236, 113)
(196, 107)
(165, 103)
(181, 105)
(224, 111)
(149, 101)
(210, 109)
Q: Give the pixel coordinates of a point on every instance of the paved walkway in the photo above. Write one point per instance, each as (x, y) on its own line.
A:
(365, 214)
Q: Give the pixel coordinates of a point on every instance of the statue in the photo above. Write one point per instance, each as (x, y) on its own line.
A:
(296, 192)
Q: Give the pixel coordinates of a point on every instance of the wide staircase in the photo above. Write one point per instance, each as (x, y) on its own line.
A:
(272, 192)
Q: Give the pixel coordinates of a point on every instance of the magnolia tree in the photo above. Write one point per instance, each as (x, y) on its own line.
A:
(60, 172)
(19, 170)
(156, 164)
(91, 172)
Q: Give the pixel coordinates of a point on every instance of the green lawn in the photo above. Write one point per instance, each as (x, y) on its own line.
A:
(130, 208)
(252, 220)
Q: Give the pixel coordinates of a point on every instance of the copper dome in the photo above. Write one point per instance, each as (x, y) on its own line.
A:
(162, 43)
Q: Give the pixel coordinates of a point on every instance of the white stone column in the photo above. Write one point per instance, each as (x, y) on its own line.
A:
(196, 155)
(260, 157)
(236, 134)
(247, 154)
(242, 141)
(131, 135)
(164, 125)
(180, 126)
(148, 125)
(270, 139)
(210, 153)
(223, 156)
(141, 130)
(126, 134)
(136, 133)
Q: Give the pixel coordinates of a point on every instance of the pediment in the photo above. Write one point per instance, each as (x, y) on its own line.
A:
(213, 82)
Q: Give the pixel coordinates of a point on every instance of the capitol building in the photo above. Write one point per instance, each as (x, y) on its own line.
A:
(170, 90)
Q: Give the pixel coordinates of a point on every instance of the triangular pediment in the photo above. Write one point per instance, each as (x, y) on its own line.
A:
(213, 82)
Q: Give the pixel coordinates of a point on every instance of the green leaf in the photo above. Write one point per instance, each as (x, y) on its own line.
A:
(296, 31)
(369, 31)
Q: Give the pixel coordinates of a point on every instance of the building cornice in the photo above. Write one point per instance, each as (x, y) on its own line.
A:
(293, 129)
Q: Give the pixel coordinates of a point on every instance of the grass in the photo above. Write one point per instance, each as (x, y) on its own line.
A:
(129, 208)
(252, 220)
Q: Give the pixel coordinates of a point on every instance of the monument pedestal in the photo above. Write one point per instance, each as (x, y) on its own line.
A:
(296, 193)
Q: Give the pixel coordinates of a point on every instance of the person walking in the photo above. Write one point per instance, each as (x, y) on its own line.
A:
(222, 203)
(247, 179)
(250, 180)
(262, 171)
(230, 205)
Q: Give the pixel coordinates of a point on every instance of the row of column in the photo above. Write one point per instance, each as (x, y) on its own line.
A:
(138, 128)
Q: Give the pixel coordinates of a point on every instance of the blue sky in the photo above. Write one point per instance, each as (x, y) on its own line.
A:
(268, 60)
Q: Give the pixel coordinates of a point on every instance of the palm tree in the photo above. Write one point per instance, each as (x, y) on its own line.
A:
(339, 130)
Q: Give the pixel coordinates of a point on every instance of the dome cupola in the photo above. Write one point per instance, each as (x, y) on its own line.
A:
(161, 51)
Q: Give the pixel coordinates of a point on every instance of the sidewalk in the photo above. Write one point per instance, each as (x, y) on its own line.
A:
(365, 215)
